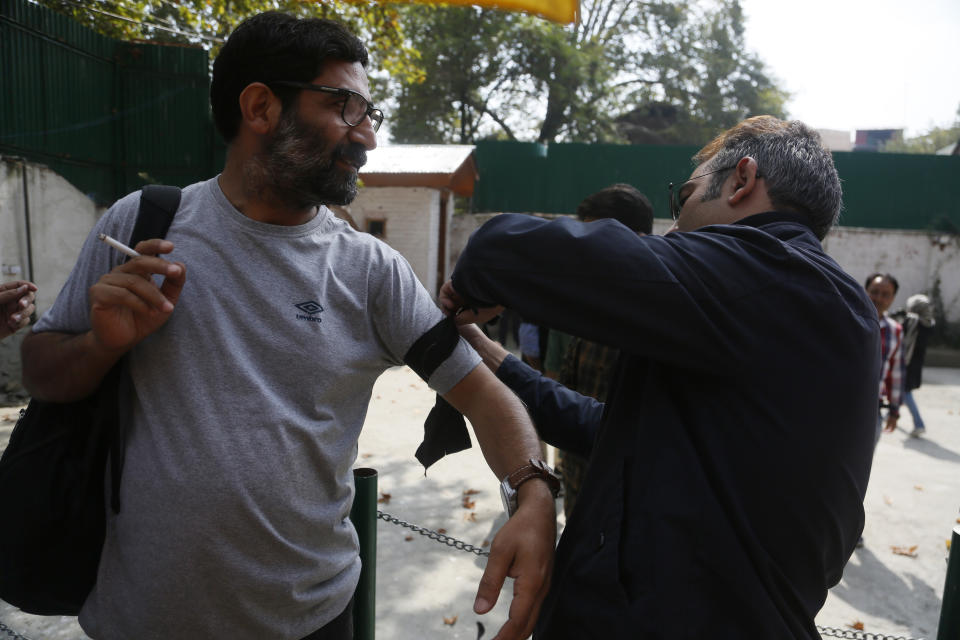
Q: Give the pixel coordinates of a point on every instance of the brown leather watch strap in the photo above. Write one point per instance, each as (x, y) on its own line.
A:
(535, 469)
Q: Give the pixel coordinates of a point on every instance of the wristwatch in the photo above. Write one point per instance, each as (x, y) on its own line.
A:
(533, 469)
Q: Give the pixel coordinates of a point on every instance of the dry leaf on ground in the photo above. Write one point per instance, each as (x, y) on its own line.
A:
(471, 517)
(441, 530)
(471, 492)
(450, 621)
(905, 551)
(468, 503)
(856, 625)
(408, 538)
(384, 498)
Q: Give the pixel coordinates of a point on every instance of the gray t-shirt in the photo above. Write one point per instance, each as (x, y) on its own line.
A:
(249, 401)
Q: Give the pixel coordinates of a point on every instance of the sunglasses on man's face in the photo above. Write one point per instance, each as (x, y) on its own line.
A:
(678, 198)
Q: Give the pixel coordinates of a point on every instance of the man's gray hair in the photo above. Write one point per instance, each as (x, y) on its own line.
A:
(797, 168)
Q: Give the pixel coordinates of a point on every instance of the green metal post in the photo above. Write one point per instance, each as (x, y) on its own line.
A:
(363, 514)
(949, 628)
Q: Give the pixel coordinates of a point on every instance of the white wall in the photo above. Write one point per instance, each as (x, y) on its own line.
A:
(60, 219)
(920, 261)
(412, 216)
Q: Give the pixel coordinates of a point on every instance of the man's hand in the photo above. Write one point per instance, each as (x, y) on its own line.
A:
(126, 305)
(452, 303)
(16, 306)
(891, 425)
(522, 550)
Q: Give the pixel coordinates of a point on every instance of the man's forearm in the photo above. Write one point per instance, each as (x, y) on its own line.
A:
(499, 419)
(492, 352)
(62, 367)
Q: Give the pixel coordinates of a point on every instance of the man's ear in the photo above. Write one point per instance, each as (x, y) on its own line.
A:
(745, 180)
(260, 108)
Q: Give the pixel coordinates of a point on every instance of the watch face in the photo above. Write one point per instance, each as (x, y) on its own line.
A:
(509, 497)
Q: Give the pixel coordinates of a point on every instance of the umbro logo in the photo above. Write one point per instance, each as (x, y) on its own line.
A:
(310, 309)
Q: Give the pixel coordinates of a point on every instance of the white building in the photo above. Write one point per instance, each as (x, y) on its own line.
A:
(407, 201)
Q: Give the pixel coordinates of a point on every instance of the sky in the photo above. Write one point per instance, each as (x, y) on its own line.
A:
(858, 64)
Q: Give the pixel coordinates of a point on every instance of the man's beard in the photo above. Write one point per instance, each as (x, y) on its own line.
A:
(299, 168)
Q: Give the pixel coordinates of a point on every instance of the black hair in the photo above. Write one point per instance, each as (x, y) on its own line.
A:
(274, 46)
(623, 203)
(886, 276)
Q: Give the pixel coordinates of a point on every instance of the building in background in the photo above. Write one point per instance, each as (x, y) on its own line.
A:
(874, 139)
(836, 140)
(407, 201)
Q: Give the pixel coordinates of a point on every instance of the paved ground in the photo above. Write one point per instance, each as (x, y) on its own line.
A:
(425, 590)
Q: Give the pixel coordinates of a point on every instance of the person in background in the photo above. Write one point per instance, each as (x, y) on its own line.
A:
(917, 322)
(882, 289)
(16, 306)
(531, 339)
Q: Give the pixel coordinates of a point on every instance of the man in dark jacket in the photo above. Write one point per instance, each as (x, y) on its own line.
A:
(728, 468)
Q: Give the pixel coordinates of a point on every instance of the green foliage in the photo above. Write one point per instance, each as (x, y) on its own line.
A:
(465, 59)
(207, 23)
(661, 71)
(930, 142)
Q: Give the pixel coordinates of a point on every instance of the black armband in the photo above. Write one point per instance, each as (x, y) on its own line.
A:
(445, 430)
(433, 347)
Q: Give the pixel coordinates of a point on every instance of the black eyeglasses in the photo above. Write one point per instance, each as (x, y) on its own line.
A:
(676, 203)
(355, 107)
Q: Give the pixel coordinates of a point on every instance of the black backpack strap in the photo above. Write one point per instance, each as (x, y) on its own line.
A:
(158, 205)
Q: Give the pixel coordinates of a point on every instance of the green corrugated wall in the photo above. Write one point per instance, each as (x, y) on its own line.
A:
(881, 190)
(107, 115)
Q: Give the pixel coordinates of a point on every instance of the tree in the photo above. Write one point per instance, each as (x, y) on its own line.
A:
(930, 142)
(468, 74)
(207, 23)
(524, 78)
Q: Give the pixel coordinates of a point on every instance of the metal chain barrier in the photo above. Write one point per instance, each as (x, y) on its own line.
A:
(434, 535)
(858, 635)
(8, 632)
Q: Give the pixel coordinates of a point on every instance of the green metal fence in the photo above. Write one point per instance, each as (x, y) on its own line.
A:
(893, 191)
(107, 115)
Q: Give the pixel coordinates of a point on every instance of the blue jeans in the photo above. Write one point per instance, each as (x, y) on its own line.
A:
(914, 411)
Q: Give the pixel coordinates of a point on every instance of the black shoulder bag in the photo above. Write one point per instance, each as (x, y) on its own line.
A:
(52, 493)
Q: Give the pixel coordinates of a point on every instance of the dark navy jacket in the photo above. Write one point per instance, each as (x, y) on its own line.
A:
(725, 489)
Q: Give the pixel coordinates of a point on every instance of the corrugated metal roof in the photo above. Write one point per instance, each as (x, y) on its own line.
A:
(417, 158)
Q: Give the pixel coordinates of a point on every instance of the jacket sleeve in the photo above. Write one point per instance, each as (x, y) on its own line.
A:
(664, 297)
(563, 417)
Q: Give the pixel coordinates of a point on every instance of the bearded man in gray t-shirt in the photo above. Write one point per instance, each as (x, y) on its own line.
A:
(252, 348)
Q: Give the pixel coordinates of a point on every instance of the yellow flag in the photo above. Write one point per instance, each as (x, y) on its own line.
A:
(563, 11)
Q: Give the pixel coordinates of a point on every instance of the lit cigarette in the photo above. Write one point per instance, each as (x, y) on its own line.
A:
(119, 246)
